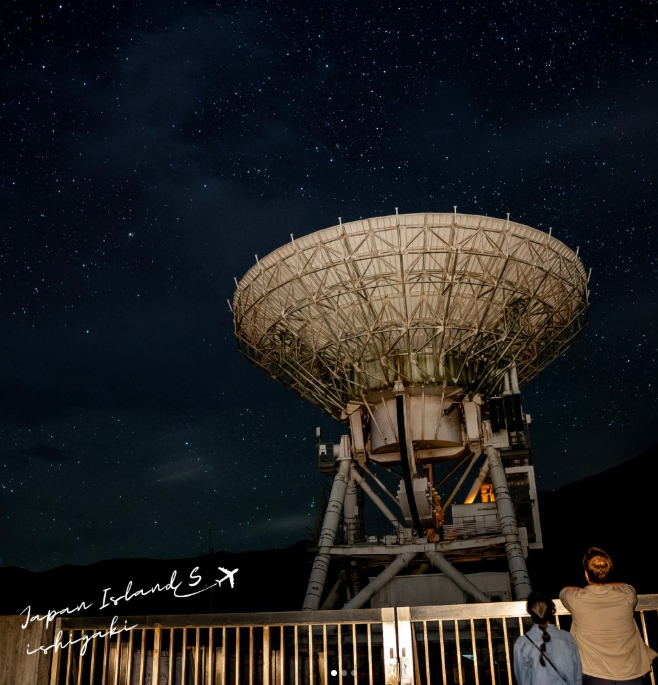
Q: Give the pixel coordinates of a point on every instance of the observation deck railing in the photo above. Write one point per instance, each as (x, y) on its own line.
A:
(469, 644)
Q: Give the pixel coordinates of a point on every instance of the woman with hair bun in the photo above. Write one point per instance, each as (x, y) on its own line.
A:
(603, 623)
(545, 655)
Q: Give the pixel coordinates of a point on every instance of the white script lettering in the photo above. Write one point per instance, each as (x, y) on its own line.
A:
(52, 614)
(173, 586)
(85, 639)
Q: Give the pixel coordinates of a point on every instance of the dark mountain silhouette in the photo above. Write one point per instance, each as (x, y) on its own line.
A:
(269, 580)
(612, 510)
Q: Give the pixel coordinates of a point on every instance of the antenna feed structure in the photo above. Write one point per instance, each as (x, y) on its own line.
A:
(419, 332)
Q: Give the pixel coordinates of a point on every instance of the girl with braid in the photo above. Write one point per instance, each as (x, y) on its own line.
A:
(546, 655)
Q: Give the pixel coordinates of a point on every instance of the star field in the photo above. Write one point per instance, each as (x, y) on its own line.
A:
(150, 150)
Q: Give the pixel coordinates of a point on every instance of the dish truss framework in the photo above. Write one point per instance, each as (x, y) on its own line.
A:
(423, 298)
(391, 324)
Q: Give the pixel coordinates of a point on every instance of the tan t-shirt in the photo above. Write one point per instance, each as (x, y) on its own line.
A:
(604, 627)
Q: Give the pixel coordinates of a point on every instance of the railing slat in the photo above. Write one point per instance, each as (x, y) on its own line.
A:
(92, 666)
(340, 655)
(69, 658)
(267, 653)
(443, 655)
(184, 653)
(459, 651)
(491, 654)
(197, 656)
(251, 655)
(117, 660)
(157, 648)
(370, 680)
(296, 655)
(426, 645)
(507, 661)
(80, 663)
(475, 653)
(172, 656)
(282, 653)
(325, 661)
(237, 655)
(310, 654)
(106, 658)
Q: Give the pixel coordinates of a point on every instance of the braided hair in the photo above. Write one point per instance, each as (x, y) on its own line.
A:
(541, 609)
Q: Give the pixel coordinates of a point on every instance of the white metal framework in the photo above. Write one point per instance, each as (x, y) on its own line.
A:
(429, 299)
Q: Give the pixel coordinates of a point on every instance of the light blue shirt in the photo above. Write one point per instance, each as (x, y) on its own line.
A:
(561, 649)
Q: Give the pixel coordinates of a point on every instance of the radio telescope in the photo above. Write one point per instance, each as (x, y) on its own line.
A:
(418, 331)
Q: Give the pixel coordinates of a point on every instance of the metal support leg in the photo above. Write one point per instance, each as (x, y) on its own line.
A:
(332, 597)
(401, 561)
(350, 511)
(515, 559)
(460, 580)
(329, 527)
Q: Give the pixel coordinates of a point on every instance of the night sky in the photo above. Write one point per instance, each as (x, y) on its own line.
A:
(150, 149)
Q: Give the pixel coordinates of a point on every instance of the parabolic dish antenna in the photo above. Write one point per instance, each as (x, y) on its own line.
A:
(418, 330)
(427, 299)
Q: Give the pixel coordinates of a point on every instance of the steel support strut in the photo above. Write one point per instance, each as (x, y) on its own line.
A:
(400, 562)
(515, 560)
(475, 488)
(330, 525)
(361, 481)
(460, 580)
